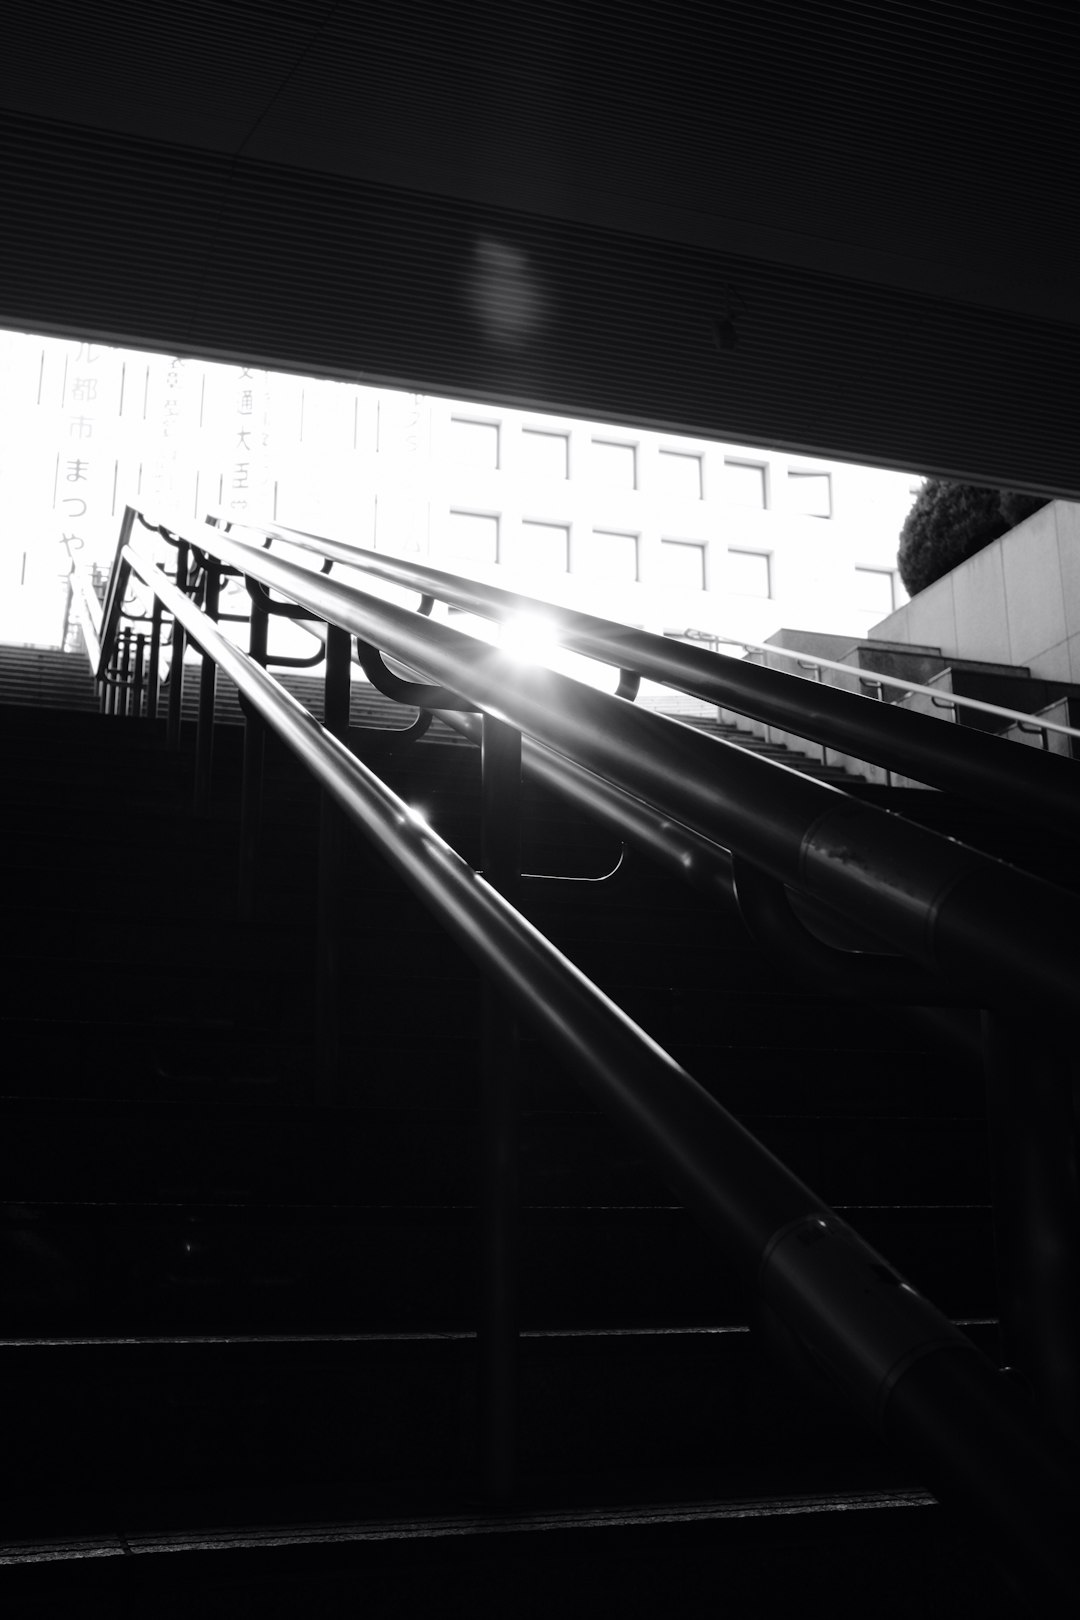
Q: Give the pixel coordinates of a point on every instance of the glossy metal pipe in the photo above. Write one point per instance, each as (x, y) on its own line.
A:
(204, 740)
(120, 698)
(251, 781)
(137, 678)
(329, 926)
(153, 678)
(896, 1360)
(707, 868)
(992, 930)
(113, 607)
(972, 763)
(1033, 1088)
(497, 1338)
(176, 662)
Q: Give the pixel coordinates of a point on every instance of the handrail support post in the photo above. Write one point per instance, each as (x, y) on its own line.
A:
(137, 679)
(337, 688)
(251, 782)
(499, 1132)
(204, 744)
(176, 662)
(121, 700)
(153, 678)
(1033, 1080)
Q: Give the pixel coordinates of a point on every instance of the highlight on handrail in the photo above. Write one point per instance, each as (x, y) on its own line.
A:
(954, 911)
(964, 760)
(482, 599)
(88, 610)
(926, 896)
(896, 1359)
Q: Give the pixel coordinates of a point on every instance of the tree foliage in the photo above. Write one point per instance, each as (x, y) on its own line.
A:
(950, 521)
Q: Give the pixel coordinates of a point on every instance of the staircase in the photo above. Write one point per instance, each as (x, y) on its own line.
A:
(945, 677)
(238, 1324)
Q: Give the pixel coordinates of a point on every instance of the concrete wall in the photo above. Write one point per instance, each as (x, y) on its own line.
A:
(1015, 602)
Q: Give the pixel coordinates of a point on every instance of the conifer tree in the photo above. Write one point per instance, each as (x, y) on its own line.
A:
(950, 521)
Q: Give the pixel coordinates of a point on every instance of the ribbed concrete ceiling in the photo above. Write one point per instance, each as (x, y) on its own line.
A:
(550, 204)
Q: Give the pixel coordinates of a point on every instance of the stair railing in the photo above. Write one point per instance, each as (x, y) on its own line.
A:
(895, 1359)
(973, 763)
(766, 915)
(956, 912)
(87, 610)
(877, 681)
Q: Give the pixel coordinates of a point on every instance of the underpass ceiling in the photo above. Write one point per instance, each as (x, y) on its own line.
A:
(554, 204)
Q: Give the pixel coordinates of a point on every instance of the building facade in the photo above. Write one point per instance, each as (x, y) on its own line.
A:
(663, 532)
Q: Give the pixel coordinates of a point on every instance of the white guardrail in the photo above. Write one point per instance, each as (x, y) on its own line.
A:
(867, 678)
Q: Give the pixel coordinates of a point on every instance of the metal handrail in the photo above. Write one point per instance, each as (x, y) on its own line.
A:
(841, 964)
(957, 912)
(898, 1361)
(89, 610)
(876, 678)
(972, 763)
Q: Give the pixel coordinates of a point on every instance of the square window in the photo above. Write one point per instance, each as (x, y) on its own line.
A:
(682, 563)
(875, 591)
(545, 547)
(810, 493)
(614, 464)
(545, 455)
(474, 536)
(749, 573)
(604, 554)
(744, 484)
(474, 445)
(680, 475)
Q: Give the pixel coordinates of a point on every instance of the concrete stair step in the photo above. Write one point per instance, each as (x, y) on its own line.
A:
(294, 1416)
(242, 1211)
(1062, 711)
(233, 1153)
(1003, 685)
(126, 1268)
(847, 1549)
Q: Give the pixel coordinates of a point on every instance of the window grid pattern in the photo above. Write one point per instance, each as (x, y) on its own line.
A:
(473, 536)
(682, 564)
(680, 475)
(745, 484)
(545, 455)
(545, 546)
(474, 445)
(606, 554)
(875, 590)
(614, 464)
(809, 492)
(749, 573)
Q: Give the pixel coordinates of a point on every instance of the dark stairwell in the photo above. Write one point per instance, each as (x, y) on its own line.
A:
(240, 1263)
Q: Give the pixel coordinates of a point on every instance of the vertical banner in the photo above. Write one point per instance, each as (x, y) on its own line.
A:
(88, 429)
(86, 459)
(32, 555)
